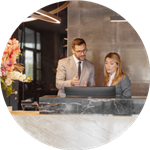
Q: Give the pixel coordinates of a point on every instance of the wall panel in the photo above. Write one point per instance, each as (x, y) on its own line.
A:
(91, 22)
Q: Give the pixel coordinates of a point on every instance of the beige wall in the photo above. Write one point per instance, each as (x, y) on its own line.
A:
(91, 22)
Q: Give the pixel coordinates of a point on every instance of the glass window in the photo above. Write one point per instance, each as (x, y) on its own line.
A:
(38, 40)
(38, 74)
(29, 63)
(20, 38)
(29, 38)
(38, 59)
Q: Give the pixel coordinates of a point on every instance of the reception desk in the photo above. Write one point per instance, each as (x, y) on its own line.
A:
(71, 130)
(87, 105)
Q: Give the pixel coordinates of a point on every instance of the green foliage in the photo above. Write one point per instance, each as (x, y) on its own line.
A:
(13, 90)
(9, 90)
(29, 79)
(3, 84)
(20, 54)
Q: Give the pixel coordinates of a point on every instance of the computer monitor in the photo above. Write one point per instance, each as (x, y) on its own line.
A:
(105, 91)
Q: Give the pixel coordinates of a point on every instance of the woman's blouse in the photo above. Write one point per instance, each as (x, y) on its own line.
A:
(111, 78)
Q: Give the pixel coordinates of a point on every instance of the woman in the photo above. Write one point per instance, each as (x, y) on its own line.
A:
(114, 76)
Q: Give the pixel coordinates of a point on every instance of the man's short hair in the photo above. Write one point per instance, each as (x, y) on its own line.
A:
(77, 41)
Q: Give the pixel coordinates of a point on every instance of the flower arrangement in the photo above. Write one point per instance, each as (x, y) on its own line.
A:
(11, 70)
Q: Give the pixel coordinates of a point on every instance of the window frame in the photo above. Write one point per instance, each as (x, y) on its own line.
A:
(34, 50)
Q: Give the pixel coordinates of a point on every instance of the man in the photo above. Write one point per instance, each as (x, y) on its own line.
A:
(75, 70)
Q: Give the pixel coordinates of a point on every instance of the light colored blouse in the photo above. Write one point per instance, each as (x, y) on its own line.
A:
(111, 78)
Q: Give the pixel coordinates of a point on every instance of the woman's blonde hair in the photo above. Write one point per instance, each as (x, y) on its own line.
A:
(119, 73)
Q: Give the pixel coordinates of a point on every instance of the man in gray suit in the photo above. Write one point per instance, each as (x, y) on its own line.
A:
(75, 70)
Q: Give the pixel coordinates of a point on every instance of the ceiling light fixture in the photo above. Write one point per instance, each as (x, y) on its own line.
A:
(29, 19)
(60, 8)
(49, 16)
(52, 18)
(117, 19)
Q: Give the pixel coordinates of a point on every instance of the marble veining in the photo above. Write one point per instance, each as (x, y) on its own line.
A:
(80, 123)
(74, 131)
(115, 106)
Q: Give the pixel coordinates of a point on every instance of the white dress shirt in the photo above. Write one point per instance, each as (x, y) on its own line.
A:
(76, 62)
(111, 78)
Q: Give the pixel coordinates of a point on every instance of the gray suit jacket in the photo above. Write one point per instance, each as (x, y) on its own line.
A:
(123, 88)
(67, 69)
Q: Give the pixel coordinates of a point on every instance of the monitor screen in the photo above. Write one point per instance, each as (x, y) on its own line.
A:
(105, 91)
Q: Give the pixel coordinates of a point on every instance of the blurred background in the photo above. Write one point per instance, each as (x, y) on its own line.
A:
(43, 43)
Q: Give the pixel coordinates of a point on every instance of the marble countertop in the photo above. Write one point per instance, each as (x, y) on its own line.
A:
(51, 104)
(37, 113)
(73, 132)
(55, 96)
(72, 129)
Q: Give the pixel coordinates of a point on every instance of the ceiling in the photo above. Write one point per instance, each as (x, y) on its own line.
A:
(40, 25)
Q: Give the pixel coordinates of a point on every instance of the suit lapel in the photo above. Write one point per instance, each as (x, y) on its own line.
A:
(73, 66)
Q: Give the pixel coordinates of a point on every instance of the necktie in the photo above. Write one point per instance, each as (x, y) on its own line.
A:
(79, 69)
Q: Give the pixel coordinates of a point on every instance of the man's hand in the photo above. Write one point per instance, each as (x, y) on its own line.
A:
(75, 80)
(85, 83)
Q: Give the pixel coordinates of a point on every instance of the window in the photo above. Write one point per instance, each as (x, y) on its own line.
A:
(38, 41)
(29, 63)
(38, 61)
(32, 53)
(29, 38)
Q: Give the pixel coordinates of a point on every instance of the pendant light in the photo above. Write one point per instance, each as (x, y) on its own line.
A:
(48, 16)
